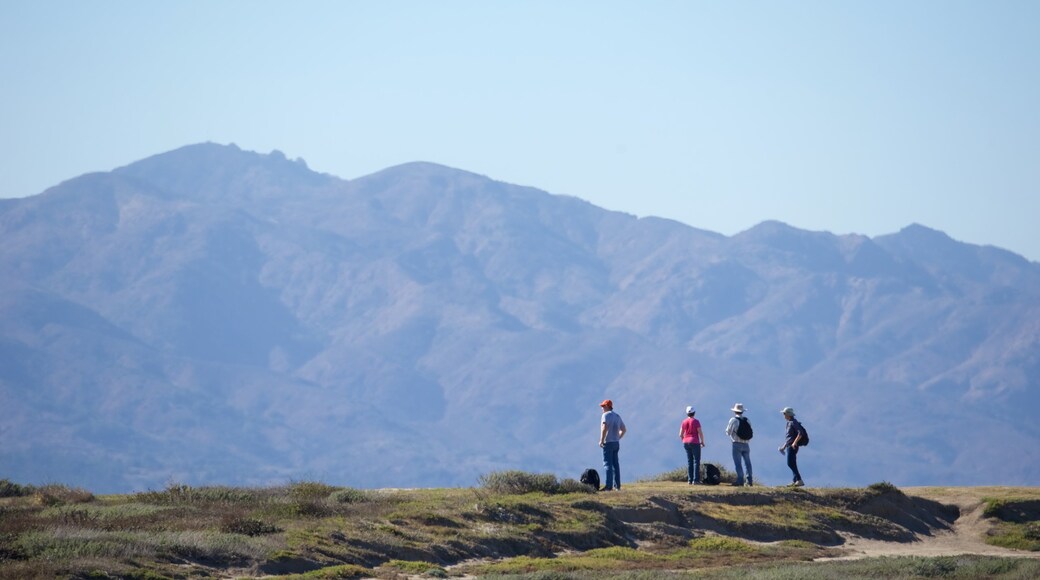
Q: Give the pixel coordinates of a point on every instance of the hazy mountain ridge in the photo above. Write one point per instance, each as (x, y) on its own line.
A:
(211, 314)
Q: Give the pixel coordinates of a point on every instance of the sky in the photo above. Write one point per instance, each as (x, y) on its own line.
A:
(840, 116)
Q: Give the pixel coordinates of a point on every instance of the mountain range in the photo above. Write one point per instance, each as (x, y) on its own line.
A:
(217, 316)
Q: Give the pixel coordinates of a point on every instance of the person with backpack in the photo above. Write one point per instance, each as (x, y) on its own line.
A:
(796, 437)
(693, 439)
(611, 430)
(739, 430)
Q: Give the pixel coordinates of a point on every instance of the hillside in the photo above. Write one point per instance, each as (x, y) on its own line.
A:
(216, 315)
(658, 527)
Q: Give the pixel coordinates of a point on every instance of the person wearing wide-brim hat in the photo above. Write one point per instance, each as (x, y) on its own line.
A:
(741, 448)
(612, 429)
(791, 444)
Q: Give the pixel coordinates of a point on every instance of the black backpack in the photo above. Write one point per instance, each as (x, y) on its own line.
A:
(804, 435)
(744, 430)
(712, 475)
(590, 477)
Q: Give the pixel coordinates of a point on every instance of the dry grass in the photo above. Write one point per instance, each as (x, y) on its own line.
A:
(315, 530)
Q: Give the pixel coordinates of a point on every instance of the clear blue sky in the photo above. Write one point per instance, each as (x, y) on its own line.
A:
(850, 117)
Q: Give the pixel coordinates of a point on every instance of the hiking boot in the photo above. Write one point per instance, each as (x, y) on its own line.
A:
(799, 483)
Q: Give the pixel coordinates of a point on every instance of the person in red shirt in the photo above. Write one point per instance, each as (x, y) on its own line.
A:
(693, 439)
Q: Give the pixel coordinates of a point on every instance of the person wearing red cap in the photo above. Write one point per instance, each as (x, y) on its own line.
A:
(612, 429)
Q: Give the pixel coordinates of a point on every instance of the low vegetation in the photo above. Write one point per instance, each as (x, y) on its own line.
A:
(679, 474)
(895, 568)
(11, 489)
(1018, 524)
(513, 524)
(517, 482)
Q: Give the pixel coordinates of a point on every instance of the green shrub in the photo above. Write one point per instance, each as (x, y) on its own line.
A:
(516, 482)
(247, 526)
(340, 572)
(720, 544)
(179, 494)
(883, 487)
(348, 495)
(994, 507)
(621, 554)
(417, 568)
(802, 544)
(73, 543)
(1016, 536)
(310, 490)
(55, 494)
(679, 474)
(11, 489)
(570, 485)
(1032, 531)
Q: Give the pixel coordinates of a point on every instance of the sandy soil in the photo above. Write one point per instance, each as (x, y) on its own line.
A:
(965, 537)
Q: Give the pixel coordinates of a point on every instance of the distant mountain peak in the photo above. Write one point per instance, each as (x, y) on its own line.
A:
(209, 154)
(428, 170)
(211, 170)
(920, 232)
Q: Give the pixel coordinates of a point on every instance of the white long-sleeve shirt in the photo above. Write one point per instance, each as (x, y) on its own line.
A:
(731, 430)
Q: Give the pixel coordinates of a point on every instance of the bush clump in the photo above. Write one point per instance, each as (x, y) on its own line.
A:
(348, 495)
(247, 526)
(570, 485)
(516, 482)
(310, 490)
(720, 544)
(417, 568)
(678, 474)
(11, 489)
(54, 494)
(180, 494)
(883, 487)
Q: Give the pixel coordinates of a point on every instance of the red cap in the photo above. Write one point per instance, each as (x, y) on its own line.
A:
(607, 403)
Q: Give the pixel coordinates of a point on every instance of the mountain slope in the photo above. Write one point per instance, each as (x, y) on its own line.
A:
(215, 315)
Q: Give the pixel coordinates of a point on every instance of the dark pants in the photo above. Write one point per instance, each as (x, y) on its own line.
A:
(693, 462)
(611, 465)
(792, 462)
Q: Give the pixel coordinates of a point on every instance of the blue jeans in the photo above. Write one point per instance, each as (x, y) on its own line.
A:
(742, 451)
(792, 462)
(611, 465)
(693, 462)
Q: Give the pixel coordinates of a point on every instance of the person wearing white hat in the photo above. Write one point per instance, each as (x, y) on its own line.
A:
(791, 444)
(740, 432)
(693, 439)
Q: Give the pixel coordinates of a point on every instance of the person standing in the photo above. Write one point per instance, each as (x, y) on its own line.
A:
(792, 441)
(693, 439)
(739, 431)
(611, 430)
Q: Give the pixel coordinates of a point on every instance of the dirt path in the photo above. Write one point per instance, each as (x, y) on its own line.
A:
(965, 537)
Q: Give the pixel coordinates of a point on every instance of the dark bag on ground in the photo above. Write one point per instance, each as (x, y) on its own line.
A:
(744, 430)
(590, 477)
(712, 475)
